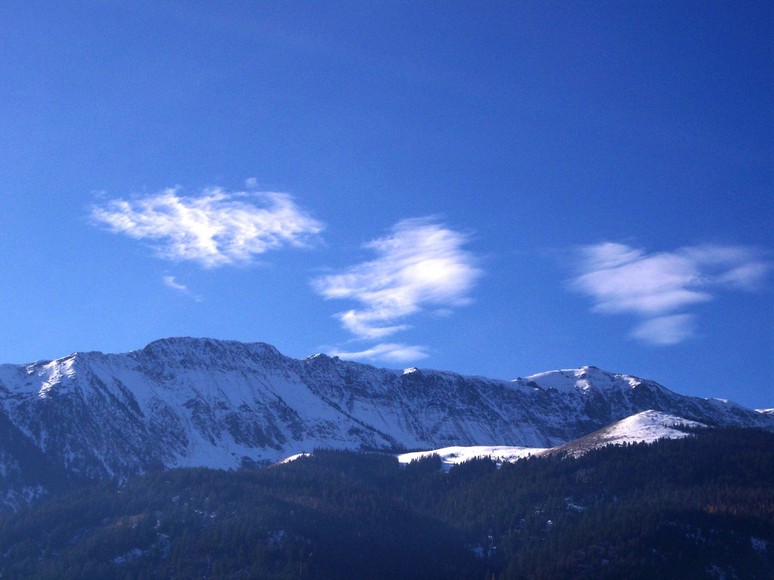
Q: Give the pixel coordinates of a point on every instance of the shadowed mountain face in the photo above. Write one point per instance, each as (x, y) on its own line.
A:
(201, 402)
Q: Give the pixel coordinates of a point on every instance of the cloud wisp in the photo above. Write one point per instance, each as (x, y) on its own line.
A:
(659, 287)
(214, 228)
(388, 351)
(171, 282)
(420, 264)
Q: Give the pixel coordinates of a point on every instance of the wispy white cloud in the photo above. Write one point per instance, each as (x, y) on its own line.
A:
(171, 282)
(213, 228)
(659, 286)
(393, 352)
(665, 330)
(621, 279)
(421, 264)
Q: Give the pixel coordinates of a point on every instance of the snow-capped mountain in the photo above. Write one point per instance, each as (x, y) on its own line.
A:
(202, 402)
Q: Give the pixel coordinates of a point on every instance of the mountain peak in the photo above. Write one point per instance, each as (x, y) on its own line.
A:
(585, 378)
(185, 349)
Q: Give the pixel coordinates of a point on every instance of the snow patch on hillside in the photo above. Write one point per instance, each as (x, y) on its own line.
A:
(455, 455)
(293, 458)
(649, 426)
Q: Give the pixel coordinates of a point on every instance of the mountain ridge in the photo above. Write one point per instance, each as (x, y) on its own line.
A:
(186, 402)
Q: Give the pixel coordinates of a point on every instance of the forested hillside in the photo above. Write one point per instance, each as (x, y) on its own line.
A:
(700, 507)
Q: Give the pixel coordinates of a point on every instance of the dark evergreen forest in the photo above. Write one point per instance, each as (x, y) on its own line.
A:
(700, 507)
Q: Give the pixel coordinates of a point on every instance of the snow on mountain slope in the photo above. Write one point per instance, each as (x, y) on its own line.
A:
(455, 455)
(202, 402)
(646, 427)
(601, 392)
(583, 379)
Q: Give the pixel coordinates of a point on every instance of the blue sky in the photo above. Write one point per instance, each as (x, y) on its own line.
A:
(492, 188)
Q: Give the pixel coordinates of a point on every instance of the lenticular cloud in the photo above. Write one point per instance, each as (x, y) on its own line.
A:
(659, 287)
(214, 228)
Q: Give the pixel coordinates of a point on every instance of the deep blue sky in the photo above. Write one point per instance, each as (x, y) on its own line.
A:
(490, 188)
